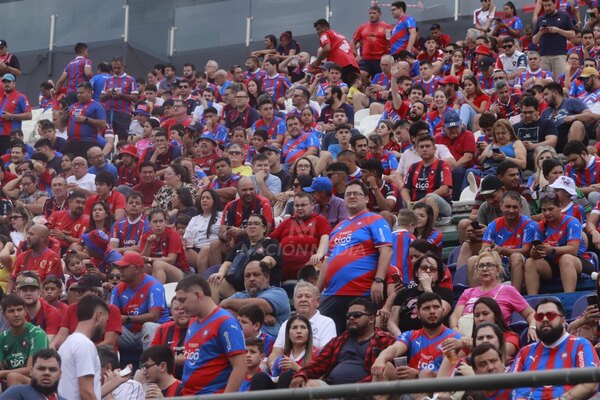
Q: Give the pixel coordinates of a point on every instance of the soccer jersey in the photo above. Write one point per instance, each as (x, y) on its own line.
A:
(498, 233)
(589, 176)
(170, 242)
(15, 350)
(75, 71)
(401, 241)
(126, 85)
(149, 295)
(80, 131)
(524, 76)
(401, 34)
(373, 39)
(576, 211)
(47, 318)
(275, 128)
(129, 232)
(276, 86)
(221, 133)
(294, 148)
(231, 182)
(113, 323)
(208, 346)
(436, 122)
(47, 263)
(424, 352)
(172, 336)
(74, 227)
(257, 75)
(340, 51)
(353, 254)
(114, 201)
(570, 352)
(12, 103)
(429, 86)
(422, 180)
(237, 214)
(568, 229)
(513, 22)
(128, 177)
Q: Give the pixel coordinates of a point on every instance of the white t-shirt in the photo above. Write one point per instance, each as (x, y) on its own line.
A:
(323, 331)
(196, 230)
(199, 111)
(130, 390)
(87, 182)
(79, 358)
(410, 156)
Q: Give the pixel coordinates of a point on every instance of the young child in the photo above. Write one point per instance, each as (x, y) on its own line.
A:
(255, 353)
(251, 317)
(259, 140)
(52, 289)
(76, 269)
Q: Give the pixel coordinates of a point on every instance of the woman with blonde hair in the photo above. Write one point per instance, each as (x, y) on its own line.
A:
(489, 272)
(505, 145)
(537, 181)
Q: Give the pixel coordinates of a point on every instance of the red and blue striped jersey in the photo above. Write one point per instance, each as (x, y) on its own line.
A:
(268, 340)
(582, 53)
(13, 103)
(129, 233)
(539, 74)
(80, 131)
(567, 230)
(401, 34)
(430, 86)
(486, 83)
(208, 346)
(276, 86)
(510, 109)
(436, 237)
(421, 180)
(571, 352)
(565, 6)
(590, 99)
(353, 254)
(588, 177)
(498, 233)
(128, 177)
(294, 148)
(275, 128)
(401, 241)
(424, 352)
(322, 86)
(257, 75)
(576, 211)
(75, 71)
(436, 123)
(221, 133)
(127, 85)
(513, 22)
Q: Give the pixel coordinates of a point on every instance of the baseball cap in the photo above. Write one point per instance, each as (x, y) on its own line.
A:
(129, 149)
(326, 65)
(486, 62)
(2, 43)
(130, 258)
(320, 184)
(490, 184)
(196, 127)
(481, 49)
(434, 27)
(96, 241)
(269, 147)
(26, 280)
(210, 137)
(89, 281)
(142, 109)
(8, 77)
(451, 119)
(589, 71)
(565, 183)
(450, 80)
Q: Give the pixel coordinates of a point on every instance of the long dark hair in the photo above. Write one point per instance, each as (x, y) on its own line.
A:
(185, 197)
(108, 221)
(438, 263)
(215, 209)
(429, 226)
(495, 308)
(294, 170)
(287, 347)
(254, 100)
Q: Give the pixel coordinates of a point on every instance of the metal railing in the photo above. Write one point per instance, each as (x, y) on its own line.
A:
(558, 377)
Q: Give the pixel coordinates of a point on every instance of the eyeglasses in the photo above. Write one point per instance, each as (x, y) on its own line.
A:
(550, 315)
(75, 290)
(6, 81)
(16, 217)
(428, 269)
(114, 276)
(145, 367)
(303, 166)
(354, 194)
(585, 79)
(235, 153)
(507, 46)
(356, 314)
(488, 266)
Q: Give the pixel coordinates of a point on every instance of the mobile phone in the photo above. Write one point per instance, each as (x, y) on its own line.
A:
(498, 19)
(459, 95)
(89, 265)
(497, 151)
(125, 371)
(593, 15)
(475, 225)
(396, 278)
(537, 243)
(400, 361)
(592, 300)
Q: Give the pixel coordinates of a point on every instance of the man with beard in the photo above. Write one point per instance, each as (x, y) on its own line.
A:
(172, 335)
(81, 366)
(555, 349)
(425, 347)
(417, 111)
(68, 225)
(18, 343)
(38, 312)
(348, 357)
(253, 70)
(15, 109)
(333, 102)
(45, 374)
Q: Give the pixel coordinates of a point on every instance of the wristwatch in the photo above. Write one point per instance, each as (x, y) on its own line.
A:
(86, 120)
(128, 320)
(378, 280)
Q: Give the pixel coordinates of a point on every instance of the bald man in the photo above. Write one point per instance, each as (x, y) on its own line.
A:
(81, 178)
(38, 257)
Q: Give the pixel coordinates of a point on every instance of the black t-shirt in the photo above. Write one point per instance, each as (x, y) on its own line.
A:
(286, 179)
(535, 133)
(350, 367)
(13, 61)
(266, 247)
(407, 301)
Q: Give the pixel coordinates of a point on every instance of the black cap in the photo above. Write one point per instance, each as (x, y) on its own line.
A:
(435, 26)
(269, 147)
(490, 184)
(2, 43)
(486, 62)
(90, 281)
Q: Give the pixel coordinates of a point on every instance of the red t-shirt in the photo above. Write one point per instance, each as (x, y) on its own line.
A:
(464, 143)
(114, 324)
(206, 163)
(170, 335)
(48, 318)
(373, 39)
(74, 227)
(480, 99)
(340, 50)
(8, 176)
(115, 200)
(48, 263)
(149, 190)
(169, 242)
(298, 241)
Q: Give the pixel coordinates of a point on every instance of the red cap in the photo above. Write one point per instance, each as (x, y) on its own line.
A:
(481, 49)
(449, 80)
(129, 149)
(131, 258)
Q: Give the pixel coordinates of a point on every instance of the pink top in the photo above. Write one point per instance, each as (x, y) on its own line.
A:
(507, 297)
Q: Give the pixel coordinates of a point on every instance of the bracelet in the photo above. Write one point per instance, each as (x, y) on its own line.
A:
(532, 327)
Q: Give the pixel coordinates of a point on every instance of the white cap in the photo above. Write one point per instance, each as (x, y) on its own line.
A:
(565, 183)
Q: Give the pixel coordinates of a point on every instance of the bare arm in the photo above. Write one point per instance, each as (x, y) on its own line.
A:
(238, 363)
(86, 388)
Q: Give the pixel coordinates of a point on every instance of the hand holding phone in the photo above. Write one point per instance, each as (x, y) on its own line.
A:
(475, 225)
(537, 243)
(400, 361)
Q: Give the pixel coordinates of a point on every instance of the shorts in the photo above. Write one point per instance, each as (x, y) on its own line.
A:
(586, 267)
(443, 205)
(373, 67)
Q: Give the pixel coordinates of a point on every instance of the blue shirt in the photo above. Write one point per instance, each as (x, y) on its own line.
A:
(424, 352)
(108, 168)
(278, 299)
(97, 83)
(553, 44)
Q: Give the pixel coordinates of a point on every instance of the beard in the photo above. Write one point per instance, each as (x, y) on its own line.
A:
(45, 390)
(330, 100)
(551, 336)
(98, 334)
(414, 117)
(432, 325)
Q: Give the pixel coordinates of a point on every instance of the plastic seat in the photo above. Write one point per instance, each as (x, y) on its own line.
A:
(169, 292)
(360, 115)
(368, 124)
(534, 301)
(580, 306)
(459, 281)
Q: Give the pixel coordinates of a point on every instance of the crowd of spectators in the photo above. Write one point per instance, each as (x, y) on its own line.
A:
(205, 231)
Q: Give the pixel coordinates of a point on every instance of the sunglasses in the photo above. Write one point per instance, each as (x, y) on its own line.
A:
(551, 194)
(356, 314)
(114, 276)
(507, 46)
(550, 315)
(235, 153)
